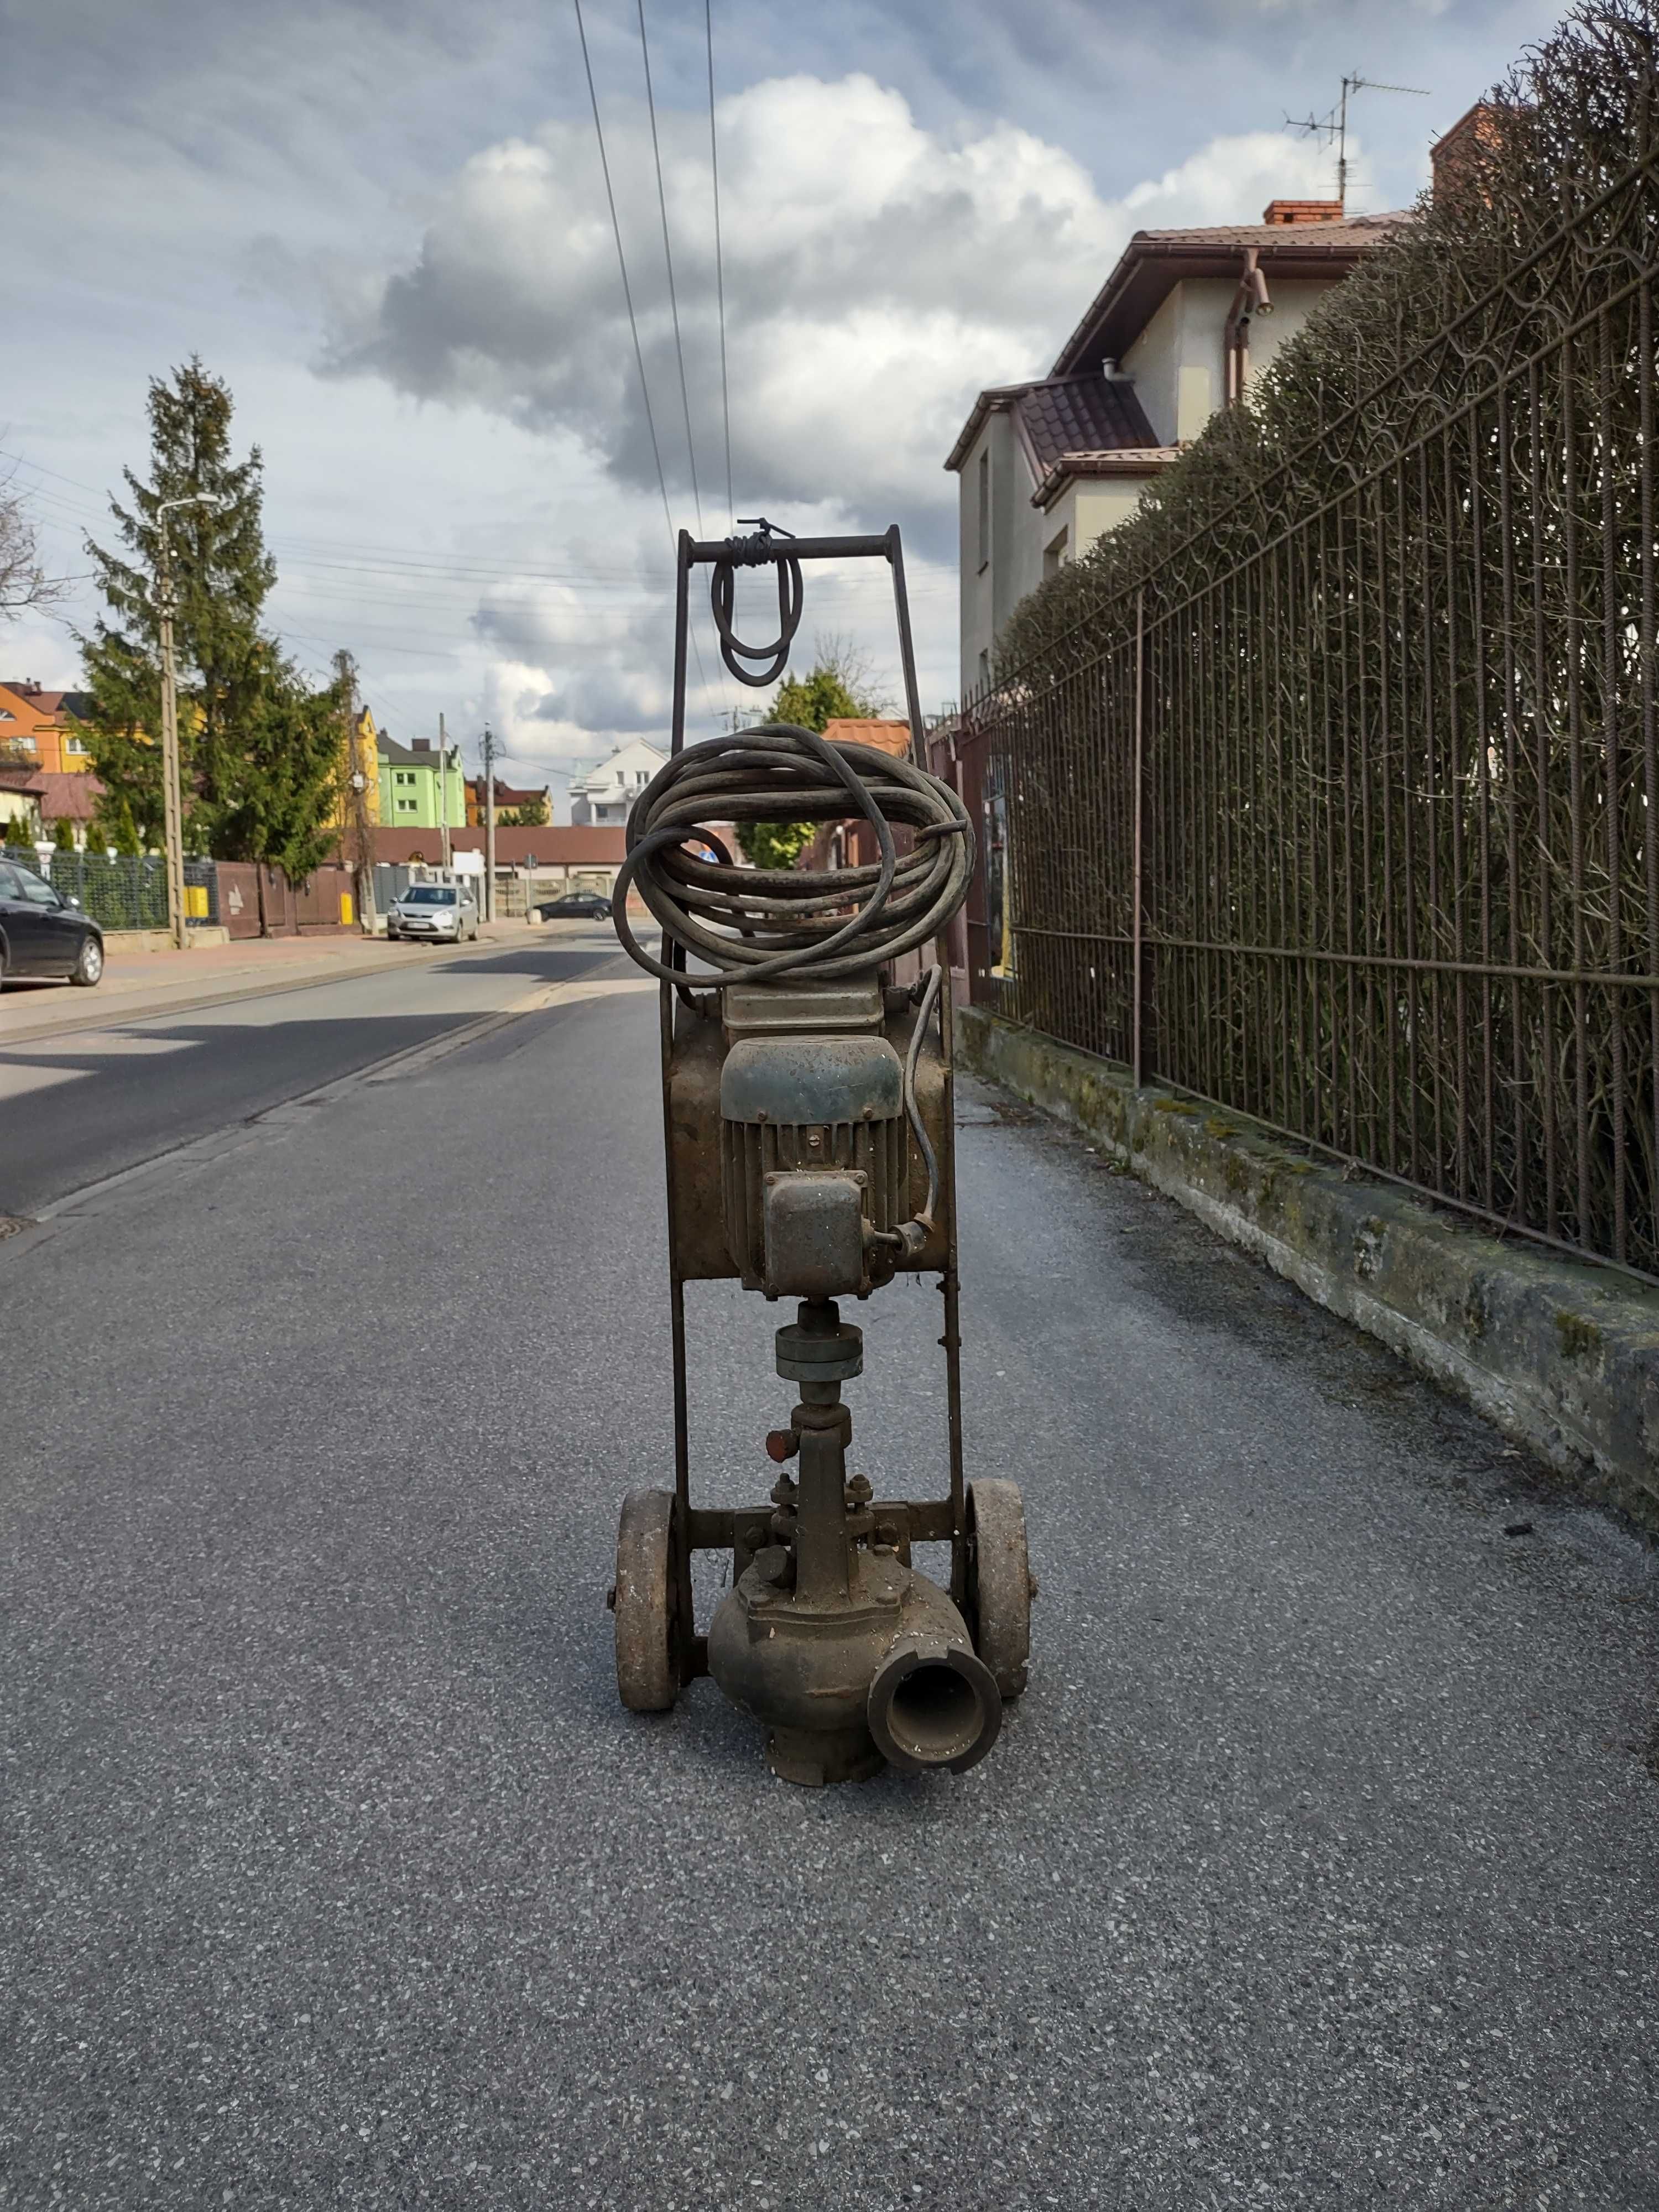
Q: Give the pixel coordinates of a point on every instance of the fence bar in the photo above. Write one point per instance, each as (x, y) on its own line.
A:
(1361, 788)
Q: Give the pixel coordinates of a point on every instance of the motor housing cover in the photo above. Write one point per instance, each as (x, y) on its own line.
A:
(814, 1160)
(711, 1157)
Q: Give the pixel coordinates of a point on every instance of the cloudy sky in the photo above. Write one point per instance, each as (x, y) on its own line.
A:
(386, 225)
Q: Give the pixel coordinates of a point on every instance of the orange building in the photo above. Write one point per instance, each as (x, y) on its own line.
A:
(42, 730)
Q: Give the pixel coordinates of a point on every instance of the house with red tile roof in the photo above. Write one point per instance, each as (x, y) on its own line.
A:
(46, 768)
(1184, 321)
(47, 726)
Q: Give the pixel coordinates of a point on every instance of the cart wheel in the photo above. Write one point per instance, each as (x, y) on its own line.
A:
(1000, 1586)
(648, 1680)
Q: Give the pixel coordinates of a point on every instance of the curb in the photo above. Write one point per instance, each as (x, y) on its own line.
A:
(1562, 1357)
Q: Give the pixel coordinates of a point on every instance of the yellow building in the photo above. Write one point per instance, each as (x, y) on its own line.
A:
(360, 754)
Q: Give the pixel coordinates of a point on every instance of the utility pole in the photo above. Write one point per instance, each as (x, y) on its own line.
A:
(172, 802)
(363, 839)
(489, 824)
(443, 792)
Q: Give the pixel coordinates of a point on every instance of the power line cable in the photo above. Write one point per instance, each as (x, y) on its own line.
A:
(628, 295)
(622, 263)
(668, 256)
(40, 470)
(720, 265)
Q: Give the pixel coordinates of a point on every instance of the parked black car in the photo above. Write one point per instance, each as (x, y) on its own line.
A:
(43, 933)
(576, 906)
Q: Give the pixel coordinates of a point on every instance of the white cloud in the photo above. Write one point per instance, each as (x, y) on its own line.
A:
(877, 276)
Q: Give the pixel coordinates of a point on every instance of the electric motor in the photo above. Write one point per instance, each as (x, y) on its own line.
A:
(814, 1147)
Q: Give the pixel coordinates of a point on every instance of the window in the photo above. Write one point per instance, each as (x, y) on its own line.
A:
(984, 666)
(985, 509)
(1053, 554)
(75, 742)
(406, 806)
(403, 776)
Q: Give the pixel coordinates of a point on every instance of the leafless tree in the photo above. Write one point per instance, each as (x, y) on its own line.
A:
(844, 658)
(23, 582)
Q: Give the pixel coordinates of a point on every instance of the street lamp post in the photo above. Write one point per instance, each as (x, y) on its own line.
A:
(172, 806)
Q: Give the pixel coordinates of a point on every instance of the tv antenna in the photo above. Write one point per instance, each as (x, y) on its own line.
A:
(1334, 128)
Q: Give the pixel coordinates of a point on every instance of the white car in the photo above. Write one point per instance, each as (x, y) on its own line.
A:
(435, 914)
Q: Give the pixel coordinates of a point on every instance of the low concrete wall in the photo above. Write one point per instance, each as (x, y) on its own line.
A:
(160, 940)
(1563, 1357)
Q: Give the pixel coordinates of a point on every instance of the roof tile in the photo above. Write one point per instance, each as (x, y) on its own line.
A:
(886, 737)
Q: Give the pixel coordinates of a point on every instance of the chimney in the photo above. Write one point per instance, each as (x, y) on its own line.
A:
(420, 745)
(1457, 153)
(1284, 211)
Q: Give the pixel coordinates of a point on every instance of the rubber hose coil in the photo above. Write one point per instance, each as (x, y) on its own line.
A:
(758, 925)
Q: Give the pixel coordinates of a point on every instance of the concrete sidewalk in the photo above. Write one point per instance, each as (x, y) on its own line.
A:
(137, 983)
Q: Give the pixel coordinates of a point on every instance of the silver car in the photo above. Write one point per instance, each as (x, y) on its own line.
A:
(438, 914)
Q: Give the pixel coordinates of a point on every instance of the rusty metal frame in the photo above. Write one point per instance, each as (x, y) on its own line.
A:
(740, 1530)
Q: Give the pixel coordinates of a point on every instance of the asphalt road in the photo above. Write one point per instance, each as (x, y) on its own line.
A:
(95, 1102)
(1315, 1869)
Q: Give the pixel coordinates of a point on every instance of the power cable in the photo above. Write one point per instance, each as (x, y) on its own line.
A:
(722, 597)
(753, 925)
(622, 263)
(668, 255)
(42, 471)
(720, 265)
(627, 294)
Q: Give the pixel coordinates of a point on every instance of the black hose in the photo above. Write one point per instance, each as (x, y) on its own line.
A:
(912, 1105)
(722, 590)
(758, 925)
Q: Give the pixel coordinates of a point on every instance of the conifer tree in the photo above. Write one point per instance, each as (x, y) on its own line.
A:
(221, 574)
(282, 811)
(259, 750)
(836, 688)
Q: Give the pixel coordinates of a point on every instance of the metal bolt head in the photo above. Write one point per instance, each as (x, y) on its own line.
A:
(859, 1491)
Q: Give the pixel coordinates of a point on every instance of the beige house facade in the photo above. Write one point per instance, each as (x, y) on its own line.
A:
(1185, 320)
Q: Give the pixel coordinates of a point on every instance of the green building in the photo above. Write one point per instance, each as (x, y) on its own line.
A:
(421, 789)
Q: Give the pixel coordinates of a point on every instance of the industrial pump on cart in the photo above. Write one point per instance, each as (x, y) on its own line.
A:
(806, 1030)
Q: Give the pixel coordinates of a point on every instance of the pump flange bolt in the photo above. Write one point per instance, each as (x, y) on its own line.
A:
(859, 1491)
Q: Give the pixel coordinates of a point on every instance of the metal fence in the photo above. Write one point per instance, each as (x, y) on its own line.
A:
(1344, 819)
(123, 892)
